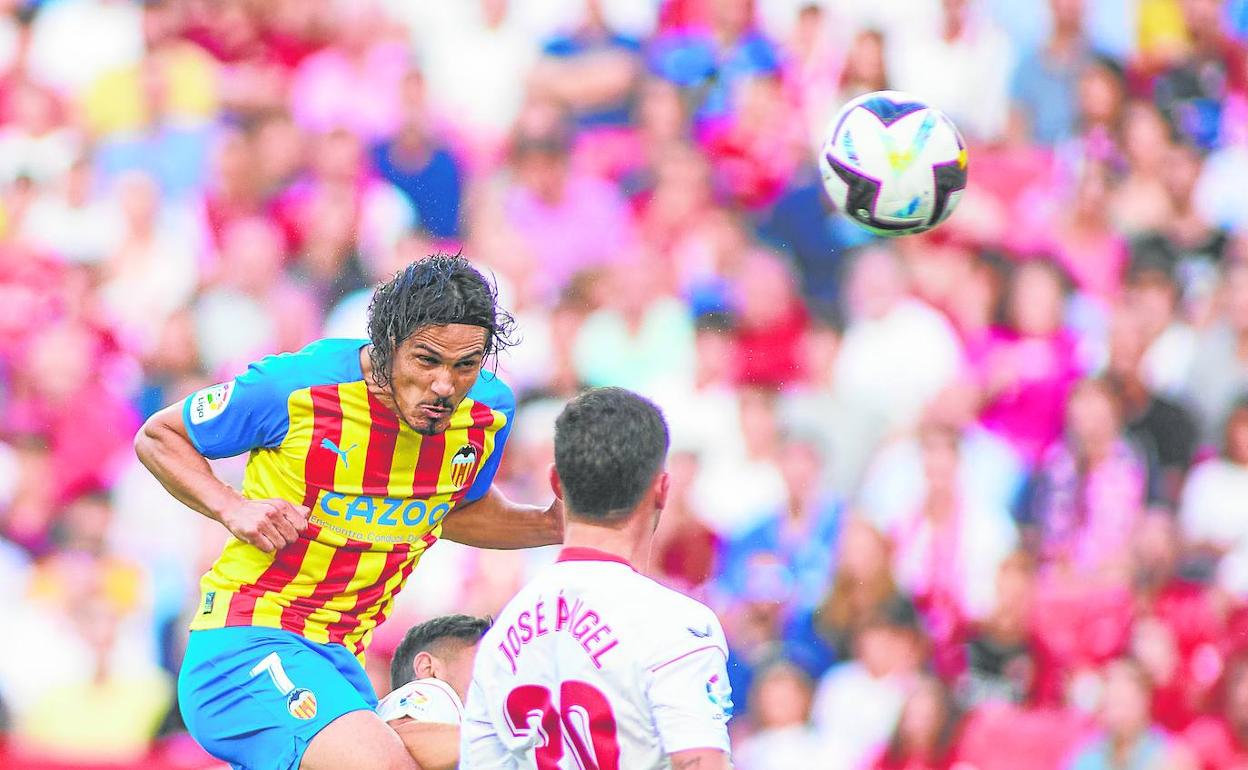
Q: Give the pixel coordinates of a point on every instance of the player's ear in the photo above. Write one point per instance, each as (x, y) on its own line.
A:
(662, 486)
(556, 483)
(423, 665)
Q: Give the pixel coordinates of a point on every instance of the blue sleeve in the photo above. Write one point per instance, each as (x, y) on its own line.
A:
(498, 397)
(248, 412)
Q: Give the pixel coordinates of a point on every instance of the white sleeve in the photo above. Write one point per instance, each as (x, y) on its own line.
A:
(479, 744)
(690, 696)
(424, 700)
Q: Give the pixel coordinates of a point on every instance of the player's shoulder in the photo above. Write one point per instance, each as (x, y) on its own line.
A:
(491, 391)
(681, 622)
(664, 619)
(423, 700)
(324, 362)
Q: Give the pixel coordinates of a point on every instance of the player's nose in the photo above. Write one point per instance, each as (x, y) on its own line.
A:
(442, 385)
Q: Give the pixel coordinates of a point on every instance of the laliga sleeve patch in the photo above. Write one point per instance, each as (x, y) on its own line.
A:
(719, 694)
(210, 402)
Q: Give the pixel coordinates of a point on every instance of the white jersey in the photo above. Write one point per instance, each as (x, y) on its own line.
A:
(423, 700)
(592, 665)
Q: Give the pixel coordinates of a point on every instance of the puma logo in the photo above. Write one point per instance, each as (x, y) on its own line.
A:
(342, 453)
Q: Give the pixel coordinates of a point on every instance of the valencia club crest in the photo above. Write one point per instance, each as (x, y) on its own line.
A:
(462, 465)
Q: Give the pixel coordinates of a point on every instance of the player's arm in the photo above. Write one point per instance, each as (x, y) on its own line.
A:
(165, 448)
(700, 759)
(433, 746)
(493, 521)
(690, 698)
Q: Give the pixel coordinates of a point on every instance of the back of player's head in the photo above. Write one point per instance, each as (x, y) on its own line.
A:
(609, 445)
(438, 290)
(434, 637)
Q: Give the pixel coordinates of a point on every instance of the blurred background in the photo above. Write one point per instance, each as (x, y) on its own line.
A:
(974, 499)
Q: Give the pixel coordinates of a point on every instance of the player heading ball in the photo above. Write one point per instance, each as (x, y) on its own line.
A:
(362, 453)
(593, 664)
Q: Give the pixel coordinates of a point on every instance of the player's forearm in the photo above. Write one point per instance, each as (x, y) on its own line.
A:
(496, 522)
(433, 746)
(170, 456)
(700, 759)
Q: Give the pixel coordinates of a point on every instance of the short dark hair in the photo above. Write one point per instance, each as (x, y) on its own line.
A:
(438, 290)
(431, 636)
(609, 444)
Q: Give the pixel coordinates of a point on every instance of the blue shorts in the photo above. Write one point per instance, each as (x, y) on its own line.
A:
(255, 697)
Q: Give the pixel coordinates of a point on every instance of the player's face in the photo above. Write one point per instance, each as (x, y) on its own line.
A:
(457, 669)
(433, 371)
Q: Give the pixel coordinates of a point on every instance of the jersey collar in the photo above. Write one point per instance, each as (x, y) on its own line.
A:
(581, 553)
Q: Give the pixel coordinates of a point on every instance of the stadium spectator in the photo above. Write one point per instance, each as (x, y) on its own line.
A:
(1219, 373)
(865, 70)
(948, 549)
(1160, 429)
(150, 270)
(641, 337)
(1220, 739)
(801, 533)
(1091, 488)
(1128, 739)
(974, 60)
(593, 69)
(567, 221)
(354, 83)
(1208, 509)
(771, 322)
(34, 143)
(69, 219)
(1046, 80)
(1003, 661)
(1197, 240)
(252, 308)
(740, 482)
(1154, 294)
(926, 734)
(1101, 100)
(1180, 627)
(233, 191)
(1028, 367)
(896, 354)
(710, 57)
(685, 551)
(859, 703)
(420, 164)
(1193, 88)
(1141, 198)
(862, 588)
(1082, 239)
(780, 715)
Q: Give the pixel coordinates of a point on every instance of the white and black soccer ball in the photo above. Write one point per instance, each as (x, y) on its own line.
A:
(893, 164)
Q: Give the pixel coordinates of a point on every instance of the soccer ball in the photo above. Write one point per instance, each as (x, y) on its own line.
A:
(893, 164)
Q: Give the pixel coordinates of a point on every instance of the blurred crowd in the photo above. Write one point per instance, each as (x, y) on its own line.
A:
(973, 499)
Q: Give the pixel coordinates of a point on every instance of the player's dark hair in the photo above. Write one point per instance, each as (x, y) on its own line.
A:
(609, 444)
(431, 636)
(438, 290)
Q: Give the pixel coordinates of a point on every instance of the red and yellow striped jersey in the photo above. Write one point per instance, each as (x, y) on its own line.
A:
(377, 491)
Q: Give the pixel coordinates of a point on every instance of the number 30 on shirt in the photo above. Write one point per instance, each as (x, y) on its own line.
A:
(584, 722)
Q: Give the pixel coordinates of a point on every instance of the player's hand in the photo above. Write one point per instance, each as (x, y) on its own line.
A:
(269, 525)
